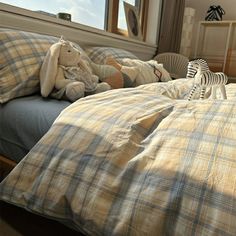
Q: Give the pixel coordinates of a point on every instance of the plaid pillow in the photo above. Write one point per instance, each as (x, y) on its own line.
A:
(21, 56)
(99, 54)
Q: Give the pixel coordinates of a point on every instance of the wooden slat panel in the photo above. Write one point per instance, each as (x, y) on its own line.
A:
(6, 166)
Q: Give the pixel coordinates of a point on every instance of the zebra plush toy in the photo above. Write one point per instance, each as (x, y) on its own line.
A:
(203, 77)
(192, 70)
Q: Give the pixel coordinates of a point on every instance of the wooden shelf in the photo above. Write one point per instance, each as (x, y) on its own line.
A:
(216, 42)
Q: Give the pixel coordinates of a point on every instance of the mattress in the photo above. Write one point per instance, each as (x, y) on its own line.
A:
(23, 121)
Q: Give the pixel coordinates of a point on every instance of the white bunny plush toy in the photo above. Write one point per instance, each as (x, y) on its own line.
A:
(65, 74)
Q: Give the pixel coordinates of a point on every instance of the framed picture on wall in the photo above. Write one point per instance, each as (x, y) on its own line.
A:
(133, 21)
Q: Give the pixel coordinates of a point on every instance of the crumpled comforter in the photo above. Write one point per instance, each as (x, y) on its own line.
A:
(135, 161)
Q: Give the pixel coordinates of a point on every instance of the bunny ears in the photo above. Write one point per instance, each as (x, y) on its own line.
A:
(48, 69)
(63, 52)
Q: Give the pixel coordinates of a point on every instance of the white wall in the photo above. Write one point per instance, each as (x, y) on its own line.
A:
(153, 24)
(202, 6)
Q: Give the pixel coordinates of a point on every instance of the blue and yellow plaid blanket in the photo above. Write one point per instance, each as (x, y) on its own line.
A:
(135, 162)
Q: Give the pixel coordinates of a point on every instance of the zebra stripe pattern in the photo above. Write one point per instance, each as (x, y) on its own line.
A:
(203, 78)
(192, 67)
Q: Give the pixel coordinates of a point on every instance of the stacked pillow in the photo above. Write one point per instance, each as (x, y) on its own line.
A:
(116, 75)
(21, 56)
(99, 54)
(146, 71)
(149, 71)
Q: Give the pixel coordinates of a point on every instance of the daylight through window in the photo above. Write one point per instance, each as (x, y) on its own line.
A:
(106, 15)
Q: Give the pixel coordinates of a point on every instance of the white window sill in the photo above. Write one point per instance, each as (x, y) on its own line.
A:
(18, 18)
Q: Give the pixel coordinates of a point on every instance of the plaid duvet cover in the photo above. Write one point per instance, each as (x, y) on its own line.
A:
(135, 162)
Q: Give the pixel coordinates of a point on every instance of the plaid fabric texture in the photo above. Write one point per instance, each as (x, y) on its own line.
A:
(21, 56)
(135, 162)
(99, 54)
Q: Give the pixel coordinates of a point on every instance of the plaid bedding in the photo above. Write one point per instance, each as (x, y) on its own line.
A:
(99, 54)
(21, 56)
(135, 162)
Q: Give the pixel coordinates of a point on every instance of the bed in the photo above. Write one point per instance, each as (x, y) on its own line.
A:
(23, 121)
(25, 118)
(130, 161)
(137, 161)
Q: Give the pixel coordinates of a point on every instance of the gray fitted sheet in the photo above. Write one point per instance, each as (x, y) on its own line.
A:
(23, 121)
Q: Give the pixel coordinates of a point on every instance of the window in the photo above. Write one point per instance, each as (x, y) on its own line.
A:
(89, 13)
(117, 22)
(106, 15)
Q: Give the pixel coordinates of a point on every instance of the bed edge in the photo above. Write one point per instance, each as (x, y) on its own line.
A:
(6, 165)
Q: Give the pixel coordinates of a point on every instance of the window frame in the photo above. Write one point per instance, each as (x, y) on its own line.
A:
(113, 14)
(111, 17)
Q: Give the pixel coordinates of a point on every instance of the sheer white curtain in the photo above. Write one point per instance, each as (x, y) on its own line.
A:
(171, 26)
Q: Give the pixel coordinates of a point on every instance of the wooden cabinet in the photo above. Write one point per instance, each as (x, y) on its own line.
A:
(216, 42)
